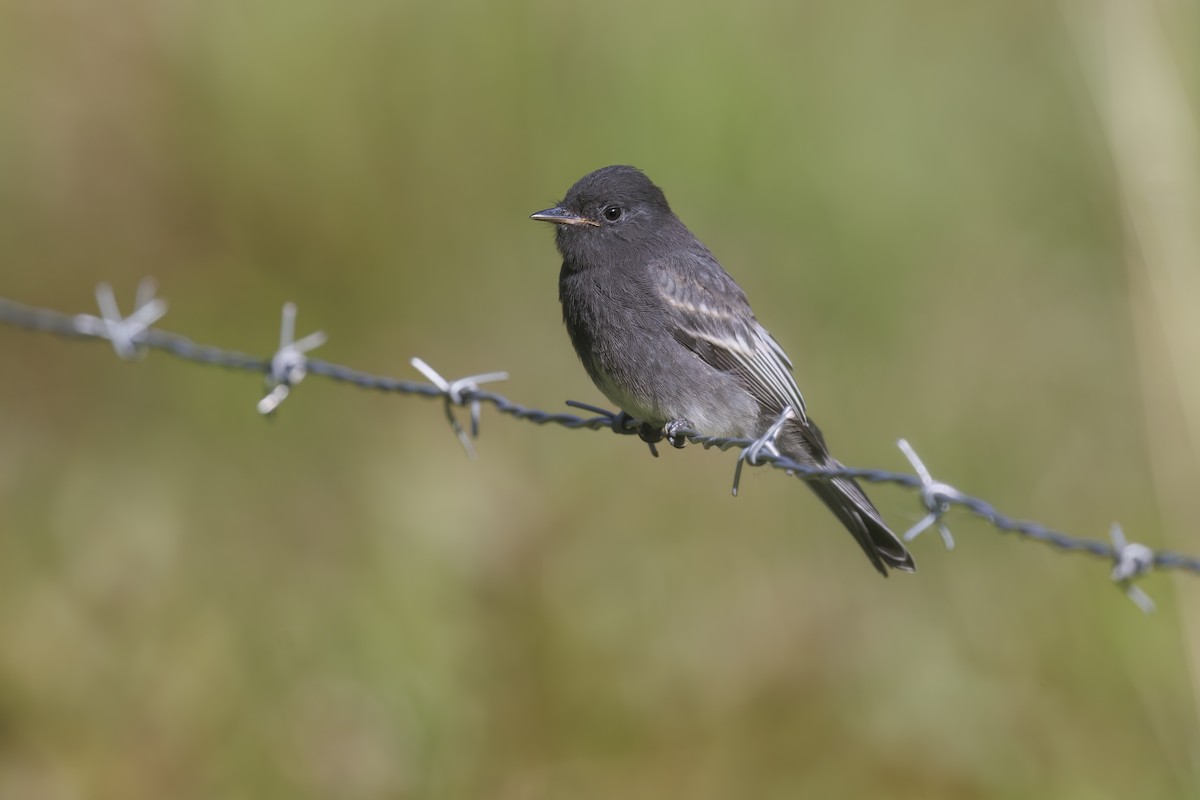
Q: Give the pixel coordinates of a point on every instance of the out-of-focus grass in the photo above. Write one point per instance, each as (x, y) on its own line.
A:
(198, 603)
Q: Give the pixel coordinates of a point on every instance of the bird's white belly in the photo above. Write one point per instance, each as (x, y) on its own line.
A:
(707, 417)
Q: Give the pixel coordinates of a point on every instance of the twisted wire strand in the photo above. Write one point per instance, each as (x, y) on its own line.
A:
(289, 365)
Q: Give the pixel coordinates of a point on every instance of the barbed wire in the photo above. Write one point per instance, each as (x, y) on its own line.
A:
(132, 335)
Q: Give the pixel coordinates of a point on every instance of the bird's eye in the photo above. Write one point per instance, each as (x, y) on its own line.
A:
(612, 213)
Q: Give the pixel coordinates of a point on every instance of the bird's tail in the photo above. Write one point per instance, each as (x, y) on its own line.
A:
(848, 502)
(846, 499)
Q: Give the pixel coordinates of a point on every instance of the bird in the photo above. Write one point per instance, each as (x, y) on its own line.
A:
(667, 335)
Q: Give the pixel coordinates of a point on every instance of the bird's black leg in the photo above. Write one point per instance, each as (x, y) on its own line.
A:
(650, 435)
(672, 431)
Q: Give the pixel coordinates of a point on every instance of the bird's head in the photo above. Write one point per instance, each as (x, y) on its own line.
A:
(612, 208)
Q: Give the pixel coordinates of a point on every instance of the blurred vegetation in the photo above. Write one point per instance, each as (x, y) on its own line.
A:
(919, 200)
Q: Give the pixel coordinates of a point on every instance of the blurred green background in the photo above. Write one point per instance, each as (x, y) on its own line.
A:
(919, 199)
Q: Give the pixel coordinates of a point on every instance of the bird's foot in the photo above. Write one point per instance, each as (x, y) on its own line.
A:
(673, 431)
(650, 434)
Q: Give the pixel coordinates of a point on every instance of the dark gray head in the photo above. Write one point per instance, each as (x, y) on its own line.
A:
(611, 211)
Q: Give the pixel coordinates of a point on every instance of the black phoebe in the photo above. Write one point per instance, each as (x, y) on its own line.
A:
(669, 337)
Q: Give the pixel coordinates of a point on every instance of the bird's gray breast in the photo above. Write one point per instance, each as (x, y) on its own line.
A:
(624, 338)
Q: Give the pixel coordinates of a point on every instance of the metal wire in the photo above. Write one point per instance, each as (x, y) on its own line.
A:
(133, 334)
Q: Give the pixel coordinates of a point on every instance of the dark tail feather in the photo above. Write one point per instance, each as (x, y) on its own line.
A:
(848, 502)
(846, 499)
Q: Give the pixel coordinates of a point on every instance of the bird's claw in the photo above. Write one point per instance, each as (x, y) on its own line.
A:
(674, 432)
(650, 434)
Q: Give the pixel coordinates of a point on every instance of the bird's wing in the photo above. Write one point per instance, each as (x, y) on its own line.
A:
(711, 316)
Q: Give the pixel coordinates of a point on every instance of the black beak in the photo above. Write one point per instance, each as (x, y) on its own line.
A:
(560, 216)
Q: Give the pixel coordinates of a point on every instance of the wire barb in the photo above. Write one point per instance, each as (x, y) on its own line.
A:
(126, 334)
(618, 422)
(937, 498)
(1130, 561)
(133, 335)
(289, 365)
(458, 393)
(765, 443)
